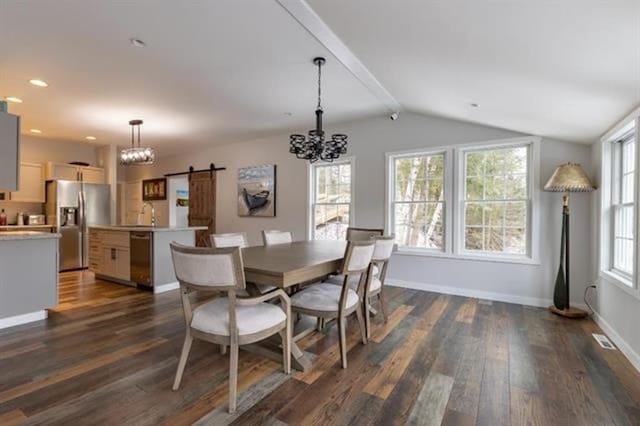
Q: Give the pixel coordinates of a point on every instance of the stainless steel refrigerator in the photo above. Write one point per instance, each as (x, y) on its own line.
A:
(73, 207)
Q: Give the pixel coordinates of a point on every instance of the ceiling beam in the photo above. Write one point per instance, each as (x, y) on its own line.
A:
(309, 19)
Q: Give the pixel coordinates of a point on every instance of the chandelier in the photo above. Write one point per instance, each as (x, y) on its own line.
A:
(315, 147)
(137, 155)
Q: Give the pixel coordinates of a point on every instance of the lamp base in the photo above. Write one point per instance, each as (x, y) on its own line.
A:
(574, 313)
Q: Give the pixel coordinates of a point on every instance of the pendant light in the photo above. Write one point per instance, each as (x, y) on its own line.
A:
(315, 147)
(136, 155)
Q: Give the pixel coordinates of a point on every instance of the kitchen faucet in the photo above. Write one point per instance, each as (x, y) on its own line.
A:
(153, 211)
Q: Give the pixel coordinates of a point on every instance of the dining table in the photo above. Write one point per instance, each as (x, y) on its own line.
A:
(285, 266)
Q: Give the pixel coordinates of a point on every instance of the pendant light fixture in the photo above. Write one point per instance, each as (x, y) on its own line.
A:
(136, 155)
(315, 147)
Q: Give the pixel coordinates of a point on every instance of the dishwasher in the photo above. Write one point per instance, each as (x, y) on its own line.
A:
(141, 258)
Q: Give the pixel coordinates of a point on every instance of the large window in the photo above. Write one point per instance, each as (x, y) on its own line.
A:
(331, 201)
(418, 201)
(622, 205)
(496, 200)
(472, 201)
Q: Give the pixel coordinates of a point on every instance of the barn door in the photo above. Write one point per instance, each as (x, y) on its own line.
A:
(202, 205)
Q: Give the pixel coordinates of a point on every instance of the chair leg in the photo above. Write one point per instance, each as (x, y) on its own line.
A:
(233, 377)
(343, 340)
(363, 322)
(286, 349)
(186, 348)
(223, 349)
(382, 307)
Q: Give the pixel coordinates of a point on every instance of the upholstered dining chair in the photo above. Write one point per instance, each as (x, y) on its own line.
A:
(227, 321)
(238, 239)
(327, 301)
(235, 239)
(276, 237)
(384, 246)
(363, 234)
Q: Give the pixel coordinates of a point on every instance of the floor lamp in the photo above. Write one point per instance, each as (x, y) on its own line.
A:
(567, 178)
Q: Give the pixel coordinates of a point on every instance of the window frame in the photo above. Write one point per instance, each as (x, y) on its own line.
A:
(311, 191)
(628, 284)
(446, 202)
(533, 161)
(454, 190)
(617, 176)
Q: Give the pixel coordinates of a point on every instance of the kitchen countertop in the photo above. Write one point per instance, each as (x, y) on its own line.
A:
(149, 228)
(27, 235)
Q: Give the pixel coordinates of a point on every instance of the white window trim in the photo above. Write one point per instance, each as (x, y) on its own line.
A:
(311, 191)
(606, 273)
(453, 187)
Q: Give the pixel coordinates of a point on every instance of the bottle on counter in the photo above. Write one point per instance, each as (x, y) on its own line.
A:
(3, 218)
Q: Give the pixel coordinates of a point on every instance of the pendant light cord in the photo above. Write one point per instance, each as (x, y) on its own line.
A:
(132, 138)
(138, 136)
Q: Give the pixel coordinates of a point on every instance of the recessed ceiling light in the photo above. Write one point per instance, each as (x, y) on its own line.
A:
(137, 42)
(13, 99)
(39, 83)
(36, 131)
(474, 105)
(288, 114)
(90, 138)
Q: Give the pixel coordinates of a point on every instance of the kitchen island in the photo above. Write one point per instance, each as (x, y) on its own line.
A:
(28, 276)
(137, 255)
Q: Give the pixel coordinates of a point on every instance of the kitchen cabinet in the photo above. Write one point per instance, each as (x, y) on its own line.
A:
(31, 184)
(109, 254)
(61, 171)
(10, 148)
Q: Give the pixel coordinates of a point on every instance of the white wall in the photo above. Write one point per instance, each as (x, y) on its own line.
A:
(369, 141)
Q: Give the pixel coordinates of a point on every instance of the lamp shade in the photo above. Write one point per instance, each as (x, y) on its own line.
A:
(569, 177)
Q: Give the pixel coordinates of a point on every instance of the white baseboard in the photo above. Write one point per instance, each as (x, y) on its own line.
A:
(23, 319)
(479, 294)
(623, 346)
(163, 288)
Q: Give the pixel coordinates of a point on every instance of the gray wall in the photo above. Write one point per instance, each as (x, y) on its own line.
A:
(619, 312)
(369, 141)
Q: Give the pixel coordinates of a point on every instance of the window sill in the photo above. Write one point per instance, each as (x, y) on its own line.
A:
(619, 281)
(404, 251)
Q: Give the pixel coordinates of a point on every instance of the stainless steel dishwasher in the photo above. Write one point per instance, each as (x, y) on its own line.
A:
(141, 257)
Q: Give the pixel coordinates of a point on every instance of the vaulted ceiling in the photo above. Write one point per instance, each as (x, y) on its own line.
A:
(224, 71)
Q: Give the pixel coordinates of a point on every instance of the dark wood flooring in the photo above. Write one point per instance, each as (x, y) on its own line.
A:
(108, 353)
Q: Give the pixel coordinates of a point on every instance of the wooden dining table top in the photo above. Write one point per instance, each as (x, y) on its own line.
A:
(284, 265)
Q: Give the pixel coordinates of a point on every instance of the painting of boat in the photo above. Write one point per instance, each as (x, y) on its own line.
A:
(256, 191)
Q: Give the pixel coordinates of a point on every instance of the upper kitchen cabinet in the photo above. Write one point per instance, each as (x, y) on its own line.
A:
(61, 171)
(10, 149)
(31, 184)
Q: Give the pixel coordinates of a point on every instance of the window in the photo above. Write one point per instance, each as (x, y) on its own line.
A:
(331, 202)
(622, 205)
(418, 201)
(473, 201)
(496, 200)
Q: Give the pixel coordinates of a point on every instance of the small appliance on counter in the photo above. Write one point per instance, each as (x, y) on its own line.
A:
(34, 219)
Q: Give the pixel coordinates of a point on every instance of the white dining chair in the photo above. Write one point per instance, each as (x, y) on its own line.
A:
(238, 239)
(276, 237)
(235, 239)
(227, 321)
(327, 301)
(384, 246)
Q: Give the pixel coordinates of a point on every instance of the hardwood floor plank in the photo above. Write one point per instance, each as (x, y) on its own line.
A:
(431, 403)
(494, 406)
(69, 373)
(380, 332)
(521, 369)
(456, 418)
(383, 384)
(10, 418)
(266, 408)
(528, 408)
(467, 312)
